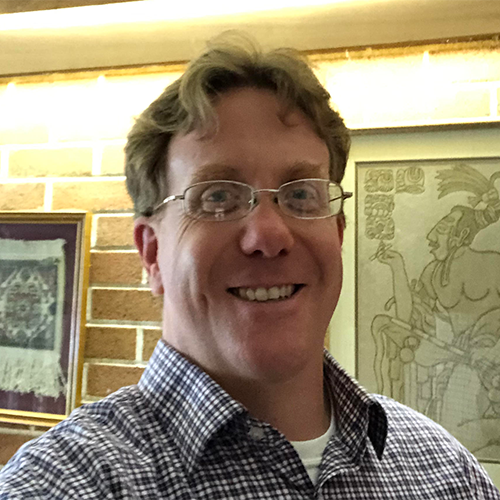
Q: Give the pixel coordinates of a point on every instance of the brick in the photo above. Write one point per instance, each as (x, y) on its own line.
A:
(21, 196)
(75, 109)
(481, 64)
(115, 231)
(119, 268)
(19, 122)
(63, 162)
(23, 117)
(390, 77)
(93, 196)
(408, 87)
(458, 103)
(9, 444)
(150, 339)
(113, 160)
(105, 108)
(126, 305)
(110, 343)
(23, 134)
(105, 379)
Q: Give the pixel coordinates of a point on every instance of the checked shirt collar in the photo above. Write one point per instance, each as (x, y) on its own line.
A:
(359, 418)
(193, 408)
(190, 406)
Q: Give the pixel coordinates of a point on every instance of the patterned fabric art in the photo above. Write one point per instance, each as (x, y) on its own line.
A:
(31, 303)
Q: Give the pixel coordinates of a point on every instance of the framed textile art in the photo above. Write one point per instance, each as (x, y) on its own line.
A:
(44, 259)
(424, 278)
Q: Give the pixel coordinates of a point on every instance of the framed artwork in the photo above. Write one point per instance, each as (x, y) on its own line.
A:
(424, 275)
(44, 261)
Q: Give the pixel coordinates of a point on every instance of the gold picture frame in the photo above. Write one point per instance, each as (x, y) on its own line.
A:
(44, 263)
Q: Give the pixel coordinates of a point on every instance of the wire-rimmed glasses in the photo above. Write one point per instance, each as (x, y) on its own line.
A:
(222, 200)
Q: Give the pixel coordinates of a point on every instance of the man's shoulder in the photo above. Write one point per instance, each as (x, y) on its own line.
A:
(403, 419)
(100, 440)
(410, 431)
(118, 419)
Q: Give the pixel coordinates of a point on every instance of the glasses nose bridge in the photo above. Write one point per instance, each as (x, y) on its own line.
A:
(256, 195)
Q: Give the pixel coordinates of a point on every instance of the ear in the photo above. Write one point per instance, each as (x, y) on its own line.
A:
(463, 236)
(146, 242)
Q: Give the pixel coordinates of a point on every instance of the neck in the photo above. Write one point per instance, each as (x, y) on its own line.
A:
(299, 407)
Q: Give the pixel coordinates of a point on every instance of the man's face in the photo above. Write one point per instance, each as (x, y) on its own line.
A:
(202, 267)
(440, 235)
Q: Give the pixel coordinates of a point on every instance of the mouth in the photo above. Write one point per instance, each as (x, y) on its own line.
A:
(264, 294)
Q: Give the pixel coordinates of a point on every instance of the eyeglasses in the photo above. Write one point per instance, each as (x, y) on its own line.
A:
(231, 200)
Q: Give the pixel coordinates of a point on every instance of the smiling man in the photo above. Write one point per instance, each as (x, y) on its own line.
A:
(234, 171)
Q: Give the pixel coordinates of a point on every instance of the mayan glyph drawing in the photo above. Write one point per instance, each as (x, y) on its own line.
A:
(428, 310)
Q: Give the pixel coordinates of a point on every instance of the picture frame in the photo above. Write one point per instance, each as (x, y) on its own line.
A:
(44, 263)
(419, 315)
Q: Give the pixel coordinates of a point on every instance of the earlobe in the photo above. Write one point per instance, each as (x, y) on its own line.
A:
(147, 245)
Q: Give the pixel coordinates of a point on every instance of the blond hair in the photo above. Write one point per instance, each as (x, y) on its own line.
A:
(229, 62)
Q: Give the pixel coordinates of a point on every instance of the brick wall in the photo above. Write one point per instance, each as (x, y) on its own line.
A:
(61, 147)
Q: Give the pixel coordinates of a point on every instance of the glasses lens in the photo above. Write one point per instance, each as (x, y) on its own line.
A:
(310, 198)
(218, 200)
(336, 198)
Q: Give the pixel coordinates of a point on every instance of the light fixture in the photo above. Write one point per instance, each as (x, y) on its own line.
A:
(145, 11)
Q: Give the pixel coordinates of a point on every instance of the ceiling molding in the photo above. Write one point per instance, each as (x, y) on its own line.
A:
(354, 23)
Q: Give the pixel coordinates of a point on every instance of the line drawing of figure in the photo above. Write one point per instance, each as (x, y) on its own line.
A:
(439, 349)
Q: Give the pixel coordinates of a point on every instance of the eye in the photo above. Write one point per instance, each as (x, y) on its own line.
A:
(217, 199)
(220, 197)
(216, 196)
(304, 197)
(301, 194)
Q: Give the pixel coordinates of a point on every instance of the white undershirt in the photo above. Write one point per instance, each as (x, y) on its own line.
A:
(310, 452)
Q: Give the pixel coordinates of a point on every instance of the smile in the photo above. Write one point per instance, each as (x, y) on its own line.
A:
(262, 294)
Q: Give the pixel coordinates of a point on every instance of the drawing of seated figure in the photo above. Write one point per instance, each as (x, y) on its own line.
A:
(447, 323)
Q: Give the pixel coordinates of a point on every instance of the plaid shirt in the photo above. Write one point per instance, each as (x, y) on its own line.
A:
(178, 435)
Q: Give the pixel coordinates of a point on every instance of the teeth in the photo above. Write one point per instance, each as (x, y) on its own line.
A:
(262, 294)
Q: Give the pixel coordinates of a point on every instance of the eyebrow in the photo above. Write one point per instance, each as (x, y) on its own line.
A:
(298, 170)
(305, 170)
(216, 172)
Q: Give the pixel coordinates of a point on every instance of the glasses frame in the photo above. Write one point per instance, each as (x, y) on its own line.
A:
(254, 201)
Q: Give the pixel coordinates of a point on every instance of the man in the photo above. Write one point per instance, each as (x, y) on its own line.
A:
(234, 173)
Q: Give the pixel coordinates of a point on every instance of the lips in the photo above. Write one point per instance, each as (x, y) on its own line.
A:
(265, 294)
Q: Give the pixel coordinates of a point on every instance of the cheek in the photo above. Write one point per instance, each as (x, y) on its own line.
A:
(175, 251)
(326, 247)
(193, 255)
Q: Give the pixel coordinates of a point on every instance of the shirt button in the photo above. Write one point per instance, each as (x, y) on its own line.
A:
(257, 433)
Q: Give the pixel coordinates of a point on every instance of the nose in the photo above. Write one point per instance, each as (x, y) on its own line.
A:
(266, 232)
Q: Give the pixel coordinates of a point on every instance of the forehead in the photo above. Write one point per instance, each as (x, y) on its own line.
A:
(254, 141)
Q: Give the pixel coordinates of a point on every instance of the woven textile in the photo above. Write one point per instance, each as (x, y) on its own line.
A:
(178, 435)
